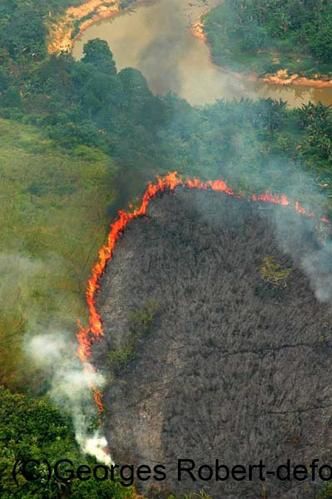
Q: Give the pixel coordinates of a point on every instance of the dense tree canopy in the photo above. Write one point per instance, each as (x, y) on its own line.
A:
(33, 429)
(97, 53)
(275, 32)
(89, 103)
(88, 107)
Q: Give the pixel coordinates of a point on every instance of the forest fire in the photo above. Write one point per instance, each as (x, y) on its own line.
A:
(88, 335)
(198, 31)
(62, 36)
(283, 78)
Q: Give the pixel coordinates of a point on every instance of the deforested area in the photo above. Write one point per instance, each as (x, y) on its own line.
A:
(165, 248)
(216, 314)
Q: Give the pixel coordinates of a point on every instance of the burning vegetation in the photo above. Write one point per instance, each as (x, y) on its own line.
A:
(197, 30)
(210, 335)
(77, 20)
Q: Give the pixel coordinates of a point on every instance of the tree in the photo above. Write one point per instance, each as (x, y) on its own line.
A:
(4, 81)
(98, 53)
(34, 429)
(24, 34)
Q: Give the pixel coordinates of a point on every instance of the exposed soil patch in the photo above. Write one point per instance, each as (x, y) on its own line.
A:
(210, 356)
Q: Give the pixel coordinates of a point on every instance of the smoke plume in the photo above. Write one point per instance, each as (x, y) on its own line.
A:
(308, 241)
(159, 61)
(70, 386)
(318, 266)
(49, 345)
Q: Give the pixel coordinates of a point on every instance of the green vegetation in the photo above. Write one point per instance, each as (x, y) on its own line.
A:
(141, 322)
(33, 429)
(78, 139)
(89, 103)
(54, 218)
(119, 359)
(272, 272)
(266, 36)
(326, 493)
(142, 319)
(23, 28)
(256, 146)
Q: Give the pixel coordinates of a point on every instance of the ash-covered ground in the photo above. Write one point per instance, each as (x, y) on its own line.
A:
(210, 356)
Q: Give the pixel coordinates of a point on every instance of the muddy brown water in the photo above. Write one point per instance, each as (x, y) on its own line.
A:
(155, 37)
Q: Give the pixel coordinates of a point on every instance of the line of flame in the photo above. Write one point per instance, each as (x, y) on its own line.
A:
(86, 336)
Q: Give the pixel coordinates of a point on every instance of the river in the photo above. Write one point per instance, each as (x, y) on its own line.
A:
(156, 37)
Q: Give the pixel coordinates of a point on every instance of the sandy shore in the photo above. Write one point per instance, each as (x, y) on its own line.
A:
(61, 37)
(283, 78)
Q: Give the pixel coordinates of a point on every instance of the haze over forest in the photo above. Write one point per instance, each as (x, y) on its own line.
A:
(239, 90)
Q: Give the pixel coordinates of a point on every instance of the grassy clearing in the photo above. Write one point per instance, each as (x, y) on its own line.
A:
(54, 218)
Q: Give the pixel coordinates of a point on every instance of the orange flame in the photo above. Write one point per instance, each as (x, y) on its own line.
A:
(98, 400)
(61, 33)
(197, 30)
(87, 336)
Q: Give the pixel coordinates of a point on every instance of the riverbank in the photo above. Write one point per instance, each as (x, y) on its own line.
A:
(76, 20)
(251, 48)
(80, 24)
(282, 77)
(62, 35)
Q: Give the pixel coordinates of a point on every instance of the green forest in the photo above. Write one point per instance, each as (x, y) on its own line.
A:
(79, 139)
(265, 36)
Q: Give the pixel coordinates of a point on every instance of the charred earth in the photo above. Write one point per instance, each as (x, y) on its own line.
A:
(215, 346)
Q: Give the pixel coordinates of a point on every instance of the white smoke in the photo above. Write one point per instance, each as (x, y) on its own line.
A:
(308, 241)
(95, 446)
(318, 267)
(71, 384)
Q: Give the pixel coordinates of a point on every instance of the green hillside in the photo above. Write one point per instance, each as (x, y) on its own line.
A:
(54, 217)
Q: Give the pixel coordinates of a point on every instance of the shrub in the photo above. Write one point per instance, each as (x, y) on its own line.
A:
(273, 272)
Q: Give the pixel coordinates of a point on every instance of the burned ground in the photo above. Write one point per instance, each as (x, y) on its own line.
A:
(206, 355)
